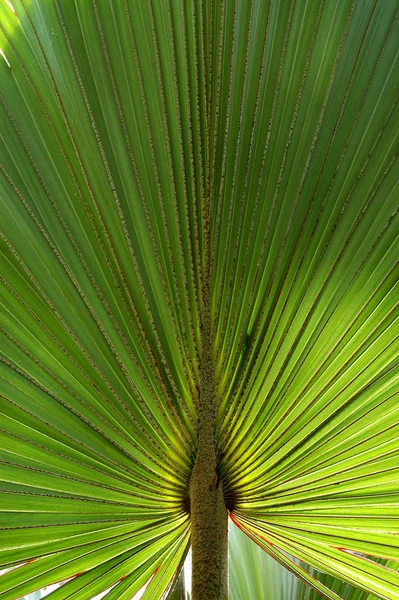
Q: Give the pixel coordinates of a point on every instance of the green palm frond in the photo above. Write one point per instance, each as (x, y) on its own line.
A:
(148, 144)
(254, 574)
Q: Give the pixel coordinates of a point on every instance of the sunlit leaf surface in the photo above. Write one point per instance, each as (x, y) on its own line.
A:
(254, 574)
(142, 140)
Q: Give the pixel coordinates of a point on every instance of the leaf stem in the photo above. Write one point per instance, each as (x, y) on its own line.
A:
(208, 510)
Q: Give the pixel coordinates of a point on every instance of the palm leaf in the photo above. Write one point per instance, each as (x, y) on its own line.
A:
(254, 574)
(144, 143)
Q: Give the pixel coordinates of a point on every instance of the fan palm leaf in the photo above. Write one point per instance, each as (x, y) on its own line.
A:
(196, 191)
